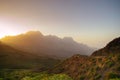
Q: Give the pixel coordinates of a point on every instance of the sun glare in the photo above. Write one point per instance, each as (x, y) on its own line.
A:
(6, 29)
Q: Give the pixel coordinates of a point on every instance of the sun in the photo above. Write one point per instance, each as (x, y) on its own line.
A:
(5, 32)
(6, 29)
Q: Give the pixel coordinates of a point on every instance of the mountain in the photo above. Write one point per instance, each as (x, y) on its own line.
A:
(103, 64)
(13, 58)
(36, 42)
(112, 47)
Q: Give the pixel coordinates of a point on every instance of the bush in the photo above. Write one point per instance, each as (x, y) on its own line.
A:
(97, 77)
(82, 77)
(111, 75)
(110, 63)
(1, 78)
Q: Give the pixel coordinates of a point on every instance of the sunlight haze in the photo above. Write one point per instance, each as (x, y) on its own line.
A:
(92, 22)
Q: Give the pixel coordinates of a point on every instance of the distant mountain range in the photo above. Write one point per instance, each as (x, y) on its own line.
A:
(103, 64)
(35, 42)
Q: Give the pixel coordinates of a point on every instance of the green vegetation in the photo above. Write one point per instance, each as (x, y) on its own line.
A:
(48, 77)
(97, 77)
(30, 75)
(112, 75)
(82, 77)
(115, 79)
(90, 68)
(1, 78)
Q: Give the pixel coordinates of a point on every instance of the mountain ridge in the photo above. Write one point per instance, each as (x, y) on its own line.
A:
(111, 48)
(50, 45)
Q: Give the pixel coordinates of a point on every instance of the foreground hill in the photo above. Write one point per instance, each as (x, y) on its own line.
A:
(104, 64)
(35, 42)
(111, 48)
(13, 58)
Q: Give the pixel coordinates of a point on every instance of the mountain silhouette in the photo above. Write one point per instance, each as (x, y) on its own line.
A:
(50, 45)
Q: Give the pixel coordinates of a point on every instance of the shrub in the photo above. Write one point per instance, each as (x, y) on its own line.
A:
(82, 77)
(110, 63)
(98, 77)
(112, 75)
(1, 78)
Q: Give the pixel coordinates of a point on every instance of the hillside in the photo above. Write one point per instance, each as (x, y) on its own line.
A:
(36, 42)
(13, 58)
(112, 47)
(103, 66)
(98, 66)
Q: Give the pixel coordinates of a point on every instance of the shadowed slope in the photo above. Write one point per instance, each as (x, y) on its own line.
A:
(13, 58)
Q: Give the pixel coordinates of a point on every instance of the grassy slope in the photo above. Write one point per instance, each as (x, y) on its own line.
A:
(90, 68)
(103, 64)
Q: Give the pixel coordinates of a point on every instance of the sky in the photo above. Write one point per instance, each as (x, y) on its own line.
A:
(92, 22)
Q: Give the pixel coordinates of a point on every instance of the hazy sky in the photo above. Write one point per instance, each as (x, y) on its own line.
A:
(93, 22)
